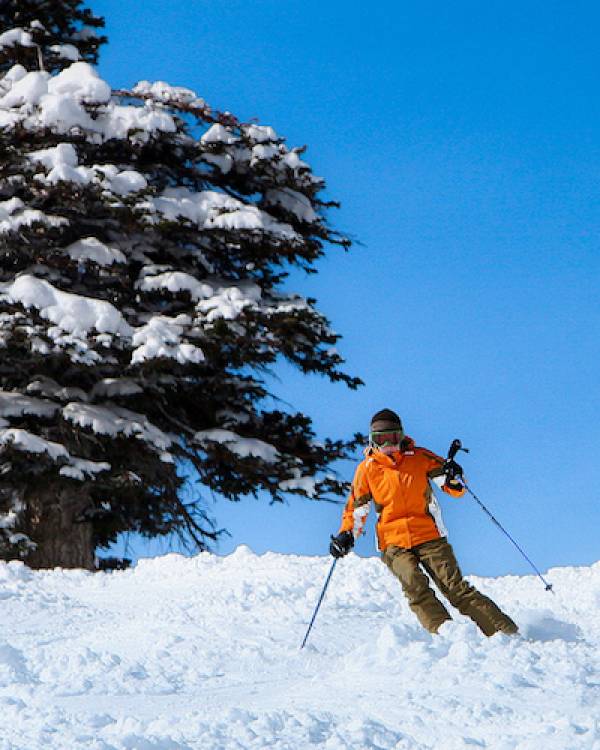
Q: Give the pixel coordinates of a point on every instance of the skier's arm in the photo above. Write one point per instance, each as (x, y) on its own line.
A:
(358, 504)
(437, 472)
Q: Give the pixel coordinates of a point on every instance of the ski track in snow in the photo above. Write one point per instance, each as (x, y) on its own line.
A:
(203, 654)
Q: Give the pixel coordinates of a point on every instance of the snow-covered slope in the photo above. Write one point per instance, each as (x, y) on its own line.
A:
(203, 653)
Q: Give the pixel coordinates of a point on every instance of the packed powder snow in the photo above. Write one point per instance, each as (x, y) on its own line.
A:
(203, 654)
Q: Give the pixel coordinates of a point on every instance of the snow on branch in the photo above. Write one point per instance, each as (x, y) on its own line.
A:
(162, 92)
(16, 37)
(73, 313)
(45, 386)
(113, 387)
(293, 202)
(14, 404)
(229, 302)
(161, 337)
(116, 421)
(259, 133)
(14, 215)
(305, 485)
(81, 468)
(61, 163)
(211, 210)
(217, 133)
(92, 249)
(241, 446)
(215, 298)
(27, 442)
(37, 100)
(66, 51)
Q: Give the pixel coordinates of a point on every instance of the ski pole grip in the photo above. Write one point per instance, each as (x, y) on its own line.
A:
(454, 448)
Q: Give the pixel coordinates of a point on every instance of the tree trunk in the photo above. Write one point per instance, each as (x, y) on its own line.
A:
(61, 541)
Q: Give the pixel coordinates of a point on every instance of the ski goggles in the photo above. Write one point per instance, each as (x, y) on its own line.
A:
(386, 437)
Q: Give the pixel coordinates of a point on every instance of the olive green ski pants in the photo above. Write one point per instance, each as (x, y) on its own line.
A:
(438, 560)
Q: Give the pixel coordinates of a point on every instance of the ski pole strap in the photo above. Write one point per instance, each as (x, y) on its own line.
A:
(505, 532)
(319, 602)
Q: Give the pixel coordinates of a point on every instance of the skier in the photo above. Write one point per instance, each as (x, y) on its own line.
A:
(395, 475)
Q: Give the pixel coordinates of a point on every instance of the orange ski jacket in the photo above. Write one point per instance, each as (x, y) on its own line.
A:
(399, 486)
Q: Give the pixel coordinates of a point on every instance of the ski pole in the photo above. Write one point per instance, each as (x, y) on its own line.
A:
(454, 448)
(319, 602)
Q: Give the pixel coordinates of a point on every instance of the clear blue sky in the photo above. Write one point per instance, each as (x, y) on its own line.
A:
(463, 141)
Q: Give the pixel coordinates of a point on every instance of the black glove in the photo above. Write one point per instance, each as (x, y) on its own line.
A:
(452, 470)
(341, 544)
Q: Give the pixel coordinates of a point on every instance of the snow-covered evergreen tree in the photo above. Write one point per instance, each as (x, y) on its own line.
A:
(144, 239)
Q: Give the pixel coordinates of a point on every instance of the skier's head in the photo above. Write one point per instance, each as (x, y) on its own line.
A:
(385, 432)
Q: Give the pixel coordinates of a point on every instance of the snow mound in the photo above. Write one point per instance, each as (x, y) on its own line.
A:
(188, 653)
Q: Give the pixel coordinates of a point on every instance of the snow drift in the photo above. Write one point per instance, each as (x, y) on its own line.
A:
(203, 654)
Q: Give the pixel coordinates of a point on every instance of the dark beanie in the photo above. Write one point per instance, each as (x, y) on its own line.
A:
(386, 419)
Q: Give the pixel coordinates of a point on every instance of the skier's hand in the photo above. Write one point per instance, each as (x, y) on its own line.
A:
(341, 544)
(452, 470)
